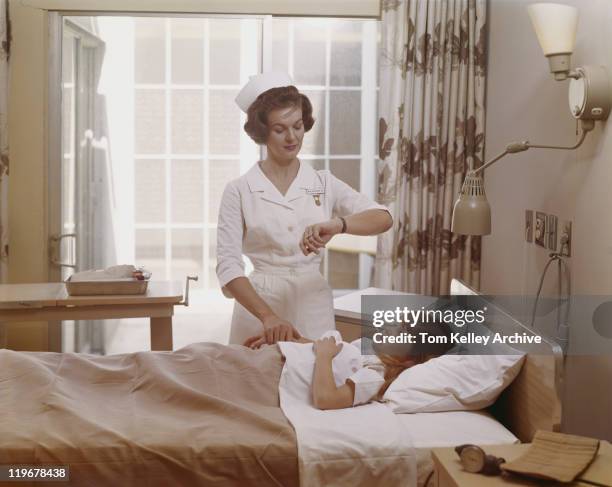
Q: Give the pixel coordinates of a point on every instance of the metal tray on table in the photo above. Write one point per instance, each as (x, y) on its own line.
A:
(104, 287)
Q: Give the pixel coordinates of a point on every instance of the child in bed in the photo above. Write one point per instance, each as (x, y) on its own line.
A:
(343, 377)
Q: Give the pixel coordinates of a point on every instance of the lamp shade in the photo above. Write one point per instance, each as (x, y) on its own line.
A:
(472, 213)
(555, 25)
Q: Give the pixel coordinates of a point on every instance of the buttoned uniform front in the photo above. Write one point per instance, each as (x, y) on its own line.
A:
(256, 220)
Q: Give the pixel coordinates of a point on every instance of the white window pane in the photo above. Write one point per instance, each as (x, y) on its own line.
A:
(149, 50)
(343, 270)
(345, 122)
(150, 191)
(224, 51)
(309, 51)
(187, 257)
(280, 44)
(314, 141)
(221, 173)
(187, 192)
(187, 122)
(150, 128)
(150, 252)
(225, 125)
(187, 51)
(345, 65)
(348, 170)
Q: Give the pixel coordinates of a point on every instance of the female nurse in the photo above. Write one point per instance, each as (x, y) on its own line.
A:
(280, 214)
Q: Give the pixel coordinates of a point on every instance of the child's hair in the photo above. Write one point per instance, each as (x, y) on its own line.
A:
(395, 363)
(394, 367)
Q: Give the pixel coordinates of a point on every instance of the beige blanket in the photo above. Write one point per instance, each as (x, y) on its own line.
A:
(206, 414)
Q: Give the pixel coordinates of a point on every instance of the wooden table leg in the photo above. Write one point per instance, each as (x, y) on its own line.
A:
(3, 335)
(54, 333)
(161, 333)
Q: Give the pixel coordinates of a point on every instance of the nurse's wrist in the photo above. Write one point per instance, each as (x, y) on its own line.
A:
(266, 317)
(338, 225)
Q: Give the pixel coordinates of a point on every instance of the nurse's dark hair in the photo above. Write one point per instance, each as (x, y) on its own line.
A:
(283, 97)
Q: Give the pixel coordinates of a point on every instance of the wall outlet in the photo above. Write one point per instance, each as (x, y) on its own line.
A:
(551, 232)
(529, 225)
(540, 229)
(566, 239)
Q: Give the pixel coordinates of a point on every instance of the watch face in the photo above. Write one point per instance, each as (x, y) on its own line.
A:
(577, 96)
(472, 459)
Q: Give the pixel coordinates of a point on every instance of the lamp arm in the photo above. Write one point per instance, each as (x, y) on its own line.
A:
(515, 147)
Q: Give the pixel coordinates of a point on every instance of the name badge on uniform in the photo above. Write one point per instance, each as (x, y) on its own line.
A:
(316, 194)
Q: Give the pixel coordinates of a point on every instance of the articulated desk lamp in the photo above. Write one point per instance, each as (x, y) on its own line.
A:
(589, 100)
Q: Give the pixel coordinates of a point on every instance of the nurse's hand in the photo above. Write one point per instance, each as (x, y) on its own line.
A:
(255, 342)
(326, 348)
(316, 236)
(278, 330)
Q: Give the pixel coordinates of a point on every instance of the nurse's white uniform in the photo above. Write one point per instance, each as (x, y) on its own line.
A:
(256, 220)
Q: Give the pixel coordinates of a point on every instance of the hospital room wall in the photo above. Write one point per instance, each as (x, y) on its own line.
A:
(28, 252)
(524, 102)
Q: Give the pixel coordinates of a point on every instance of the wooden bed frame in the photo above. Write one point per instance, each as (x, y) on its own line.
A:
(533, 400)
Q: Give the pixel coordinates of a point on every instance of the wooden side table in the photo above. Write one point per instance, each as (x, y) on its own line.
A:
(50, 302)
(448, 471)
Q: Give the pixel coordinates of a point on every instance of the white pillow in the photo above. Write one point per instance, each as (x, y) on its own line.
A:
(453, 383)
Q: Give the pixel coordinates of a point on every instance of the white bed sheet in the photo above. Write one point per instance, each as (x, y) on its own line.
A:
(352, 447)
(448, 429)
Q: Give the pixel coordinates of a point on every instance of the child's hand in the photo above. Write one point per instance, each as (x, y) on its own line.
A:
(326, 348)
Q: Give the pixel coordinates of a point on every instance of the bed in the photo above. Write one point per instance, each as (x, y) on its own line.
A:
(208, 414)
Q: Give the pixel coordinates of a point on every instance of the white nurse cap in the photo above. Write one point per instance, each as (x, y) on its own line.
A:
(259, 83)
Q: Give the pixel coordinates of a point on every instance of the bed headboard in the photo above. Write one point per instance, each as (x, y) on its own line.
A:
(533, 400)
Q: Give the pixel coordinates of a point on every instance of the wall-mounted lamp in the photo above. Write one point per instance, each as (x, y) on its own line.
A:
(555, 25)
(589, 100)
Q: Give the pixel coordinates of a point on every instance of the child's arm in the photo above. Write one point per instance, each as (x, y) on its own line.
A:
(325, 394)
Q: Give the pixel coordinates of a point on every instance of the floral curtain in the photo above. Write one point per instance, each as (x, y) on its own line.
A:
(5, 39)
(431, 130)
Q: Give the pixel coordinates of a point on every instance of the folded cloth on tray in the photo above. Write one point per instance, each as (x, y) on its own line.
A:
(206, 414)
(360, 446)
(112, 273)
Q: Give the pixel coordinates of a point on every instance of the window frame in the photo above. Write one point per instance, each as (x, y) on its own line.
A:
(312, 8)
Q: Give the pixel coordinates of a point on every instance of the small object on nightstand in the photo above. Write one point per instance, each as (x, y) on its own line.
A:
(555, 456)
(475, 460)
(449, 471)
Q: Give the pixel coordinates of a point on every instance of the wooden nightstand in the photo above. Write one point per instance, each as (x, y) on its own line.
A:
(449, 473)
